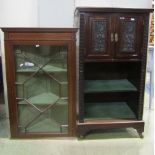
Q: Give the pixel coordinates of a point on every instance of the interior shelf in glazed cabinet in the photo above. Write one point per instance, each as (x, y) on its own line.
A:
(40, 70)
(112, 63)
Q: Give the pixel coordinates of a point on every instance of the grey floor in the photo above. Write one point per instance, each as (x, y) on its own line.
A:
(111, 142)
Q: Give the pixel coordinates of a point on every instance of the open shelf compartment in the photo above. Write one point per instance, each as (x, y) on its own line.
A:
(108, 110)
(108, 86)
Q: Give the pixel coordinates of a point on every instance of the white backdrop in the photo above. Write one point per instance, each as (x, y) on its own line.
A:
(115, 3)
(18, 13)
(56, 13)
(53, 13)
(59, 13)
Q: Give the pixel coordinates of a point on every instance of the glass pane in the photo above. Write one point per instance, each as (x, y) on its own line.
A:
(41, 88)
(128, 29)
(99, 35)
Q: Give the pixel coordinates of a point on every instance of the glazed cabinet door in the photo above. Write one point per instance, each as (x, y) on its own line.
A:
(99, 38)
(41, 88)
(40, 98)
(128, 36)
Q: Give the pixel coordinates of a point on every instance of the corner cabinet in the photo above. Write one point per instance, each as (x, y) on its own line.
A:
(40, 71)
(112, 63)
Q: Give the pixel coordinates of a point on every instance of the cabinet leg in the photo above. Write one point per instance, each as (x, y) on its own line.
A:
(81, 136)
(140, 132)
(82, 133)
(141, 135)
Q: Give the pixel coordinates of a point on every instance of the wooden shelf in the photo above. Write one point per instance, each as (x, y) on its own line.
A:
(112, 60)
(108, 110)
(47, 68)
(108, 121)
(45, 99)
(45, 125)
(50, 68)
(92, 86)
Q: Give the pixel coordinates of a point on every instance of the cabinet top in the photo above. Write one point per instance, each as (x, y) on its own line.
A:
(39, 30)
(101, 9)
(31, 34)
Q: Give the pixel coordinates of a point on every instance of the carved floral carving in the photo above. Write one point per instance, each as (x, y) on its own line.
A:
(98, 36)
(128, 36)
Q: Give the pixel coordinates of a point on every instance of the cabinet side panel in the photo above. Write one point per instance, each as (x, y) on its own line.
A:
(72, 88)
(143, 66)
(11, 88)
(81, 71)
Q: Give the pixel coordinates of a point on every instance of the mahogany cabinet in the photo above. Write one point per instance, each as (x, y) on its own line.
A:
(40, 71)
(112, 65)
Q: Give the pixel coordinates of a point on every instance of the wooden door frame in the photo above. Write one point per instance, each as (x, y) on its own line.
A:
(10, 75)
(108, 53)
(138, 38)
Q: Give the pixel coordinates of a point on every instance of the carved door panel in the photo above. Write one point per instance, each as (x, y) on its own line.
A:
(128, 36)
(98, 38)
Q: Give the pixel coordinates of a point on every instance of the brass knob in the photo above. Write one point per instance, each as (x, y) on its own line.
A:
(116, 37)
(112, 37)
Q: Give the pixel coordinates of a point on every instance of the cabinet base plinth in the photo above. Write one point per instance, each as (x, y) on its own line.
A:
(90, 125)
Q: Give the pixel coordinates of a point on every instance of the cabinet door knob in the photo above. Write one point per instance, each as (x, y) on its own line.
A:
(112, 37)
(116, 37)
